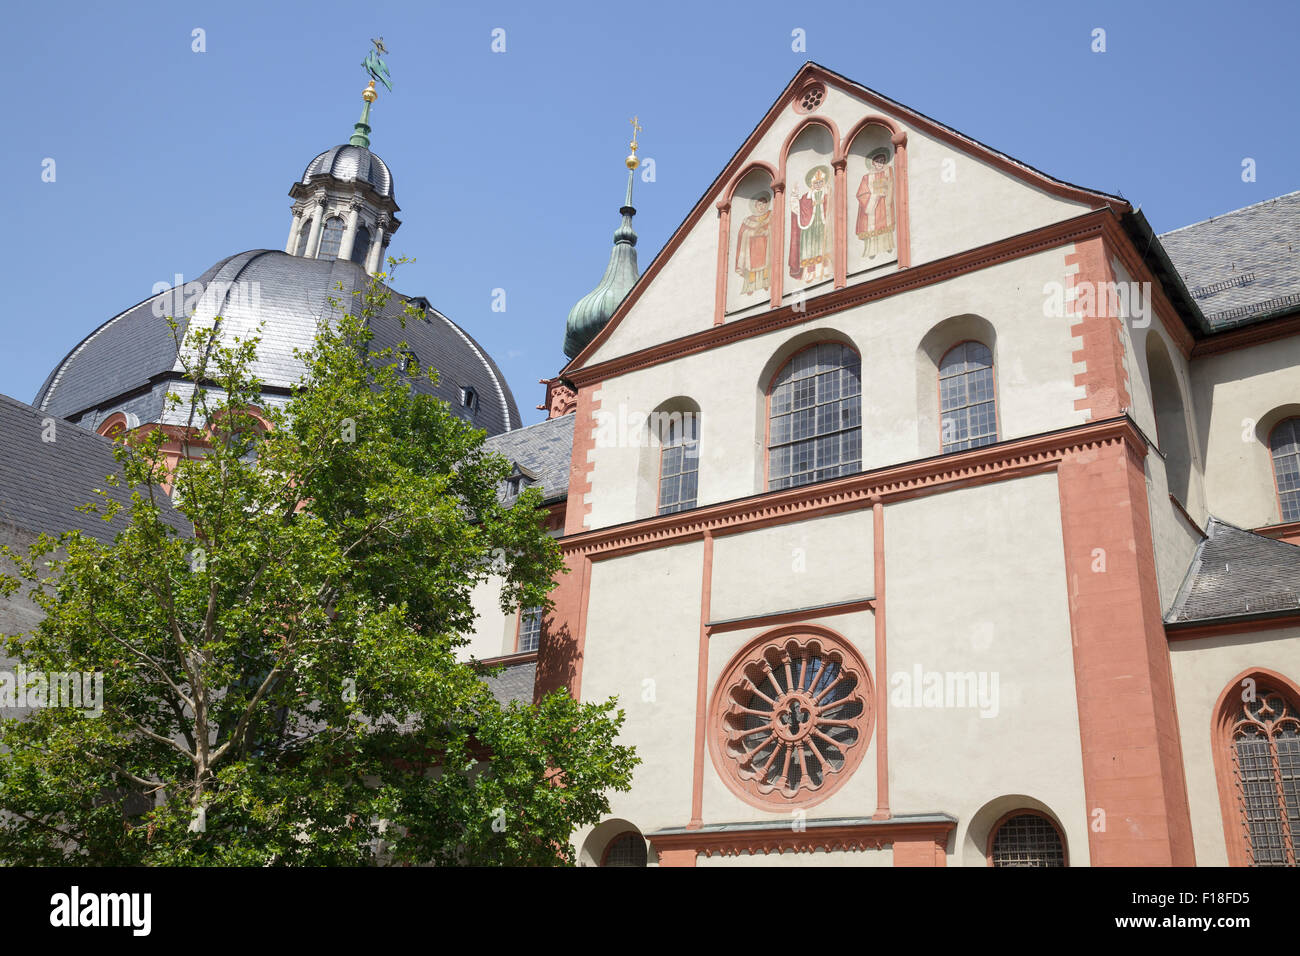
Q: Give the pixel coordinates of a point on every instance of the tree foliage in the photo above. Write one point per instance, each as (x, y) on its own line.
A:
(282, 687)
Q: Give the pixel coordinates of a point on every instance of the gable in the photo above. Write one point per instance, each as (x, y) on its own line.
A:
(804, 207)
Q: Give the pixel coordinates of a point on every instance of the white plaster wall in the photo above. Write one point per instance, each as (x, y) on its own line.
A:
(494, 630)
(1202, 668)
(1035, 382)
(801, 564)
(1234, 392)
(1173, 537)
(975, 582)
(643, 625)
(957, 202)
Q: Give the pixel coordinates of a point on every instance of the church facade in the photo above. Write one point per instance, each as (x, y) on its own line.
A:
(922, 509)
(919, 508)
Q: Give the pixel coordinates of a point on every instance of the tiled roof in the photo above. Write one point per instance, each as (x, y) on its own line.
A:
(42, 482)
(1243, 265)
(131, 356)
(1236, 573)
(544, 449)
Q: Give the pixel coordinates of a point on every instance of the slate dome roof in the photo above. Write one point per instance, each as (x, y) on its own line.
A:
(352, 164)
(129, 363)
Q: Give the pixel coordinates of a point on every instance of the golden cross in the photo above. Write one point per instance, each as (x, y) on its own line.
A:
(636, 128)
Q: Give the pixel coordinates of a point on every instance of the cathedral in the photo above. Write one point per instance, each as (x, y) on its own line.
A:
(919, 508)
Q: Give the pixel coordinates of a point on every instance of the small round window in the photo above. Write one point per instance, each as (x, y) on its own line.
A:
(791, 717)
(810, 98)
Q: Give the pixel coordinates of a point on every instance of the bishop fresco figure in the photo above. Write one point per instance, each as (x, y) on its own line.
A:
(752, 246)
(875, 225)
(810, 228)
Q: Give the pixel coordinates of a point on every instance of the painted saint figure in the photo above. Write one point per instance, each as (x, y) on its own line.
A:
(810, 228)
(751, 246)
(875, 226)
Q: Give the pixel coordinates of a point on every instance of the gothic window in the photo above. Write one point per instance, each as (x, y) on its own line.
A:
(331, 238)
(626, 849)
(679, 462)
(967, 405)
(1264, 739)
(530, 629)
(361, 246)
(304, 237)
(815, 417)
(1026, 838)
(791, 717)
(1284, 443)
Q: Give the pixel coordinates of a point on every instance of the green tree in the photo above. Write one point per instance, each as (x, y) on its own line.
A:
(282, 686)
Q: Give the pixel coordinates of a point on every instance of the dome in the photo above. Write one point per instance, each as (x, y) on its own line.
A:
(593, 311)
(352, 164)
(129, 363)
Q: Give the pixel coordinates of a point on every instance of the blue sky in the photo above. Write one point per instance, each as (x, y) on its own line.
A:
(508, 166)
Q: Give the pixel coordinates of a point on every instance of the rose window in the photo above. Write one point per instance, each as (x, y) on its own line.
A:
(792, 718)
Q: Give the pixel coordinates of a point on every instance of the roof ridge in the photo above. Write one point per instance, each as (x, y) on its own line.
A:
(1230, 212)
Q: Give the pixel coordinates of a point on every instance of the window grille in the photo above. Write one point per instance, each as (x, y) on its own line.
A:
(815, 417)
(967, 404)
(1027, 839)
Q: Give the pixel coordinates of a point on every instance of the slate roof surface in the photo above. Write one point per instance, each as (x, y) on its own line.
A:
(1243, 265)
(1237, 573)
(351, 164)
(545, 449)
(514, 683)
(130, 354)
(42, 483)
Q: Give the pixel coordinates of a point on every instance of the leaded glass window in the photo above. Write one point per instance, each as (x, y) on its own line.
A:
(967, 404)
(815, 417)
(679, 462)
(1285, 444)
(1266, 762)
(627, 849)
(361, 246)
(304, 237)
(1027, 839)
(331, 238)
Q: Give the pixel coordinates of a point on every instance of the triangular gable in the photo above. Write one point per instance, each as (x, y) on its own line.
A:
(740, 161)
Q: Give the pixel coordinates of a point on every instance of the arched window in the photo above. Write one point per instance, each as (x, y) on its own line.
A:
(304, 236)
(1262, 734)
(1026, 838)
(626, 849)
(1284, 443)
(469, 399)
(967, 404)
(815, 417)
(361, 246)
(679, 460)
(331, 238)
(530, 629)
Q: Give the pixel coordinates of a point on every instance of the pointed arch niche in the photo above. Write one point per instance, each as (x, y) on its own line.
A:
(874, 199)
(750, 234)
(814, 229)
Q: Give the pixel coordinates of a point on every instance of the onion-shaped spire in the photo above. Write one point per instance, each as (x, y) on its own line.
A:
(594, 310)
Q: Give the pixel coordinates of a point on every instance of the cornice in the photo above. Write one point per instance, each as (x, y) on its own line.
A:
(830, 837)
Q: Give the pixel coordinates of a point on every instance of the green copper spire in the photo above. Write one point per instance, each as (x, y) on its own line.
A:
(594, 310)
(378, 70)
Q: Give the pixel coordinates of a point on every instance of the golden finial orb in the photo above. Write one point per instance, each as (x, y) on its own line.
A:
(369, 94)
(632, 161)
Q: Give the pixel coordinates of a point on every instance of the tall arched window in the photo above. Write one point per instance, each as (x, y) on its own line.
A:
(679, 460)
(1026, 838)
(1260, 731)
(361, 246)
(815, 417)
(331, 238)
(1284, 442)
(304, 236)
(967, 403)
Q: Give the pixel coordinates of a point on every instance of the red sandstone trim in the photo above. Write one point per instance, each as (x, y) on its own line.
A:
(506, 660)
(1254, 624)
(1131, 746)
(918, 844)
(1287, 531)
(578, 510)
(724, 262)
(1248, 337)
(790, 617)
(882, 699)
(702, 686)
(1004, 250)
(1104, 378)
